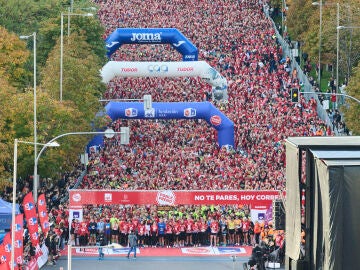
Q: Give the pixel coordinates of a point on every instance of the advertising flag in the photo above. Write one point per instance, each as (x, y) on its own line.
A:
(18, 244)
(5, 251)
(43, 214)
(31, 218)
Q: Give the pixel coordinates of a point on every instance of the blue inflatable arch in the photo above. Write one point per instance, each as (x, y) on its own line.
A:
(152, 36)
(172, 110)
(176, 110)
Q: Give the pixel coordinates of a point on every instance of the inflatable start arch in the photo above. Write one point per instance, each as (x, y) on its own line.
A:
(152, 36)
(200, 69)
(176, 110)
(172, 110)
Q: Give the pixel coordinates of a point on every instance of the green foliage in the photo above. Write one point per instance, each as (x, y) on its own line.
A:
(84, 55)
(81, 78)
(12, 57)
(352, 111)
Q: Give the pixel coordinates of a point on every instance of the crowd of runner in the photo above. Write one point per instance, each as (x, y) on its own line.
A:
(238, 40)
(181, 226)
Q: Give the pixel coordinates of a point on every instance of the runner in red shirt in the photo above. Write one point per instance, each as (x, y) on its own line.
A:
(176, 231)
(83, 234)
(189, 239)
(169, 239)
(245, 230)
(153, 232)
(214, 229)
(195, 232)
(202, 233)
(141, 233)
(182, 236)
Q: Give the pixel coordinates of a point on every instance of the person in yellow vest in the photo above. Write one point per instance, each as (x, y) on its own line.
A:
(238, 230)
(231, 228)
(257, 232)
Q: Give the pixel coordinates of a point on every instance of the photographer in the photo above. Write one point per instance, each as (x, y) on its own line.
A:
(257, 258)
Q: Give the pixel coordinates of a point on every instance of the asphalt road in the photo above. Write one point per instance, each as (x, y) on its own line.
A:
(152, 263)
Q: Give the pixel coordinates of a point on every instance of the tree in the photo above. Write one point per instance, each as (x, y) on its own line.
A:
(352, 110)
(12, 55)
(81, 77)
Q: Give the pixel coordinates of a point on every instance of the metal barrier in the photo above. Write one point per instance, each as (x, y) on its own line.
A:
(307, 87)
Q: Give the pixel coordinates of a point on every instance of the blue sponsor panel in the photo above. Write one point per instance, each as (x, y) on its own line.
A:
(152, 36)
(231, 250)
(177, 110)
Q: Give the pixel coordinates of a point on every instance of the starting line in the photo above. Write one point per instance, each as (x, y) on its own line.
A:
(156, 252)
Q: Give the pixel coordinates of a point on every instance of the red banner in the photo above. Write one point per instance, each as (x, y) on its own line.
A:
(19, 231)
(170, 197)
(18, 243)
(5, 251)
(43, 214)
(4, 266)
(31, 218)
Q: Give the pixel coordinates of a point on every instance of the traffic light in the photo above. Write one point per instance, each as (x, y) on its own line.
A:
(295, 95)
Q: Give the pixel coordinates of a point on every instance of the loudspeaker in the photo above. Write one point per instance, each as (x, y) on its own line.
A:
(278, 215)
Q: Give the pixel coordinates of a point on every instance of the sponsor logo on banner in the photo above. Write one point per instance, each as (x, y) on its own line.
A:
(178, 44)
(261, 216)
(166, 197)
(146, 37)
(3, 258)
(76, 214)
(106, 250)
(18, 227)
(7, 248)
(215, 120)
(166, 112)
(29, 206)
(76, 197)
(231, 250)
(41, 202)
(18, 243)
(19, 260)
(185, 69)
(46, 225)
(129, 70)
(190, 112)
(42, 214)
(108, 197)
(198, 250)
(131, 112)
(190, 56)
(112, 44)
(35, 236)
(150, 113)
(32, 221)
(158, 68)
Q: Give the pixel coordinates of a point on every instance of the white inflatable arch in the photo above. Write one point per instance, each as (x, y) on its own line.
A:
(168, 69)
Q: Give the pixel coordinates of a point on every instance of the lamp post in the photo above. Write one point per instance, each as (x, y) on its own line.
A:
(338, 28)
(62, 44)
(70, 11)
(320, 4)
(109, 133)
(35, 180)
(13, 212)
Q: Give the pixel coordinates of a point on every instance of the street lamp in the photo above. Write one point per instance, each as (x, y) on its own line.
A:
(13, 212)
(338, 28)
(35, 180)
(109, 133)
(62, 44)
(320, 4)
(70, 10)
